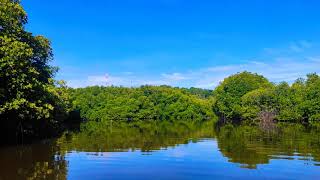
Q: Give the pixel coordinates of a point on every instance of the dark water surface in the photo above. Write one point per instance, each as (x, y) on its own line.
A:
(168, 151)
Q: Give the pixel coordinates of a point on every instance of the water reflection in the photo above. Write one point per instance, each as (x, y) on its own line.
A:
(136, 136)
(171, 150)
(250, 146)
(38, 161)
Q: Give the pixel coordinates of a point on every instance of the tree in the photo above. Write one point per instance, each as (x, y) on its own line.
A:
(29, 99)
(311, 107)
(287, 103)
(228, 94)
(258, 101)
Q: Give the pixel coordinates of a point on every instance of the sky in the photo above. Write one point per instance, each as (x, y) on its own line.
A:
(184, 43)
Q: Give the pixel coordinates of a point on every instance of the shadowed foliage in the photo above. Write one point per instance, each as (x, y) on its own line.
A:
(32, 103)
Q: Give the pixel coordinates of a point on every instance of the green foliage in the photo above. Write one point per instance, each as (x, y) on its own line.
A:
(287, 103)
(257, 101)
(147, 102)
(296, 103)
(244, 96)
(202, 93)
(229, 93)
(311, 102)
(28, 93)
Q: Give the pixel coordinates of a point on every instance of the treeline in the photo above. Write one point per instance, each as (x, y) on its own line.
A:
(33, 104)
(145, 102)
(247, 96)
(242, 98)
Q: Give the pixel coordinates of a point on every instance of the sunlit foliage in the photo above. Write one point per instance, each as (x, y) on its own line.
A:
(229, 93)
(146, 102)
(29, 98)
(243, 96)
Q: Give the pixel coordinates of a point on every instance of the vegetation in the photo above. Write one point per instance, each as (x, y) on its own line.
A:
(147, 118)
(33, 104)
(248, 96)
(31, 101)
(242, 97)
(202, 93)
(146, 102)
(228, 94)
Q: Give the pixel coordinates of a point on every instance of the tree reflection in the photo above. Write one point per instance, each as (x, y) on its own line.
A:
(244, 145)
(38, 161)
(135, 136)
(250, 146)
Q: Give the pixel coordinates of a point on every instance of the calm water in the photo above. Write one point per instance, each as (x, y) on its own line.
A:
(168, 151)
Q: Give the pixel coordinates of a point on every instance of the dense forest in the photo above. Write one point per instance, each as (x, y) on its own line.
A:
(33, 104)
(248, 96)
(143, 103)
(243, 97)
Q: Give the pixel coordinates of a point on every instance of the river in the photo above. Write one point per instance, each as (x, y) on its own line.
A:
(168, 151)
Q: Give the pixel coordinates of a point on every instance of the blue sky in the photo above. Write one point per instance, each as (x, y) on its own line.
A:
(178, 42)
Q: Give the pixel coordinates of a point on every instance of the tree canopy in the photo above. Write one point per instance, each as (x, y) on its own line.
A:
(245, 95)
(146, 102)
(228, 94)
(28, 93)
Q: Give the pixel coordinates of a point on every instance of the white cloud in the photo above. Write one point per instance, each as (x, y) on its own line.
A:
(174, 77)
(280, 69)
(296, 48)
(293, 47)
(314, 59)
(222, 68)
(300, 46)
(305, 44)
(100, 80)
(108, 80)
(128, 73)
(276, 71)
